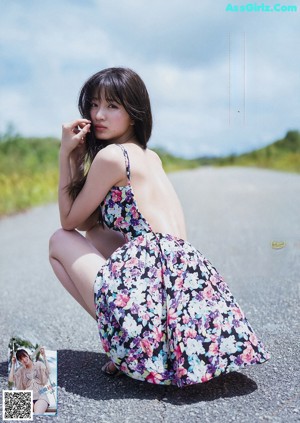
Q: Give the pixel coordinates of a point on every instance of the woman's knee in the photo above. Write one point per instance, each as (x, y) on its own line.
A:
(57, 241)
(40, 407)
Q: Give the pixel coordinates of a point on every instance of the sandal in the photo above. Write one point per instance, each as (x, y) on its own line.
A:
(110, 369)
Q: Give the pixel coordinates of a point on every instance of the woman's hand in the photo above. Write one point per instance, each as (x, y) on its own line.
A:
(12, 371)
(43, 354)
(73, 135)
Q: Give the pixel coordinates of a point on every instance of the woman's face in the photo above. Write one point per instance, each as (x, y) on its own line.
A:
(110, 121)
(24, 360)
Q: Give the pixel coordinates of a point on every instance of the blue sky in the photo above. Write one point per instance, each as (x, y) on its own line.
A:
(220, 81)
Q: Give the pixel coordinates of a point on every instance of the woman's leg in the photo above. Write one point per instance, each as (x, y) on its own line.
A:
(68, 284)
(105, 240)
(76, 262)
(76, 273)
(40, 406)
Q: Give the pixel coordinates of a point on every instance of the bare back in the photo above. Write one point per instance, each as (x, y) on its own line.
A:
(153, 192)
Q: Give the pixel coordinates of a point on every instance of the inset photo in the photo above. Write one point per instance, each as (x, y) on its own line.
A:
(33, 367)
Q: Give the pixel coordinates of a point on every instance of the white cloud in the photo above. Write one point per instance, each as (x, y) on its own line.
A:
(179, 49)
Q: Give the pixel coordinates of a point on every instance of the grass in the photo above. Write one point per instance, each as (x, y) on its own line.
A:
(29, 167)
(28, 175)
(172, 163)
(283, 155)
(29, 171)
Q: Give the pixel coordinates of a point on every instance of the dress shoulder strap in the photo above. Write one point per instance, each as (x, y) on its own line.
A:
(127, 163)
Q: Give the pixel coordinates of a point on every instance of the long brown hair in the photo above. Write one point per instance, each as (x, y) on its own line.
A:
(21, 354)
(125, 87)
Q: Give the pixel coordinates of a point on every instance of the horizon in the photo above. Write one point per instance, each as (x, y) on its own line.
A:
(12, 133)
(220, 81)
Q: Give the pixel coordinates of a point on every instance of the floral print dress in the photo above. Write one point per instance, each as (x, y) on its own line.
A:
(165, 315)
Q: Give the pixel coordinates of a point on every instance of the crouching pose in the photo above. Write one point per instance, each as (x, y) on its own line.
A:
(164, 313)
(31, 376)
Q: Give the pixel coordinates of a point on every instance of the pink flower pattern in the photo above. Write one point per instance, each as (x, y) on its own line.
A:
(165, 315)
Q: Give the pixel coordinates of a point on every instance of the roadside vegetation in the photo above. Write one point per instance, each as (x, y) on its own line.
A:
(29, 171)
(172, 163)
(29, 166)
(283, 155)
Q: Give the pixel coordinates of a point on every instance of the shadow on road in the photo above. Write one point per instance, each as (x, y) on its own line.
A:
(79, 372)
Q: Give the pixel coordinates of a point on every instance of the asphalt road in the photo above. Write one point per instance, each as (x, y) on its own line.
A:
(233, 215)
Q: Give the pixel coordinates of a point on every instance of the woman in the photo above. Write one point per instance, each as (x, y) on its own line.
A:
(31, 376)
(164, 313)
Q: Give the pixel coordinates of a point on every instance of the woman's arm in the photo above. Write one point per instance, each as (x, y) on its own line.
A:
(106, 170)
(12, 370)
(46, 372)
(16, 377)
(77, 173)
(71, 144)
(90, 222)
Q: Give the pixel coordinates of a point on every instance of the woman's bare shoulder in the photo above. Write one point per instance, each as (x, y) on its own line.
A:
(154, 156)
(110, 159)
(111, 153)
(109, 164)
